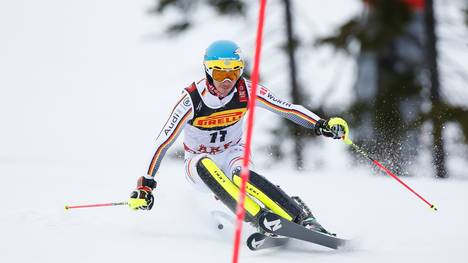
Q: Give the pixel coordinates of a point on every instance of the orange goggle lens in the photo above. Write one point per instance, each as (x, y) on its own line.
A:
(220, 75)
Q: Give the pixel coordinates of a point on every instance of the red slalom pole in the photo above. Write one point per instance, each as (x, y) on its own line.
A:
(362, 152)
(251, 107)
(68, 207)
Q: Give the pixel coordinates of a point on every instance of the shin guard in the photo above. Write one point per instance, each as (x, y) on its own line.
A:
(225, 189)
(273, 197)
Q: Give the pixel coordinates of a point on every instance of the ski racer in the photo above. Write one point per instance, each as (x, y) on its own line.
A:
(210, 112)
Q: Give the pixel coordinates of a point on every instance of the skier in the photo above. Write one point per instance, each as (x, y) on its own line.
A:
(211, 112)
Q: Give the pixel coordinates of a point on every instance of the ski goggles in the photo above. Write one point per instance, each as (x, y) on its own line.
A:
(221, 69)
(220, 75)
(221, 64)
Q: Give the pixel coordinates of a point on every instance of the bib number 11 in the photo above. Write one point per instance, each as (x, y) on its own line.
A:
(214, 136)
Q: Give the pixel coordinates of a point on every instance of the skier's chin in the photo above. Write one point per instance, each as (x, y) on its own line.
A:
(224, 87)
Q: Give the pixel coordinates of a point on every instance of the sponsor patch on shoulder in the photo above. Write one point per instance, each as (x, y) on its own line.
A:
(191, 88)
(186, 102)
(242, 92)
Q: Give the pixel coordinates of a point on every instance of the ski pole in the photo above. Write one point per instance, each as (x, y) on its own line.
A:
(68, 207)
(365, 154)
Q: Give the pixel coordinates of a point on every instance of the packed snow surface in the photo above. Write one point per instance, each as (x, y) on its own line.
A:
(384, 222)
(85, 87)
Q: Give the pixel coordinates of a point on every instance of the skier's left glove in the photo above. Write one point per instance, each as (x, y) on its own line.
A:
(142, 198)
(335, 128)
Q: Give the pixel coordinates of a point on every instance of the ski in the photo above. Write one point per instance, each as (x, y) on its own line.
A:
(274, 224)
(258, 241)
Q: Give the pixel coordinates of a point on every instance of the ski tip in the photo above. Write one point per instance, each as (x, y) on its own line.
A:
(434, 208)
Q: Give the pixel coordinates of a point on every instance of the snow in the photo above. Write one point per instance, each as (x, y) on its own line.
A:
(84, 88)
(384, 221)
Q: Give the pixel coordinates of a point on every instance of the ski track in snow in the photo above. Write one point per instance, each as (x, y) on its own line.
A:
(384, 222)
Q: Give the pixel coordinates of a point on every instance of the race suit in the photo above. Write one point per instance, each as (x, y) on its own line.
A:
(213, 126)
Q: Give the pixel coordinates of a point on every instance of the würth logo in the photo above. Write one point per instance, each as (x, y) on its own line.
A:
(263, 91)
(219, 119)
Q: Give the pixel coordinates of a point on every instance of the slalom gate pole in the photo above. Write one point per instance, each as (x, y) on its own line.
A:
(240, 211)
(68, 207)
(365, 154)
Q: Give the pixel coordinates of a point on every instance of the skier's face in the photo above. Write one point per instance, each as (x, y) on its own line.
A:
(224, 87)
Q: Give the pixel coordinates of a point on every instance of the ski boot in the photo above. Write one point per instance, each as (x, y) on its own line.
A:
(308, 220)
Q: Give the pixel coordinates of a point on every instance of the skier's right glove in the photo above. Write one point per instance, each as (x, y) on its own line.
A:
(142, 198)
